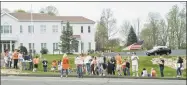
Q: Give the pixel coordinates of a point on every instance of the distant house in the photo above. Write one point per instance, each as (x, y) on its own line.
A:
(44, 31)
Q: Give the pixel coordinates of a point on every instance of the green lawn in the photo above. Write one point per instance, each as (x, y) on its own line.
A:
(144, 62)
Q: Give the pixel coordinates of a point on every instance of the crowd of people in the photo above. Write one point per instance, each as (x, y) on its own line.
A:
(86, 64)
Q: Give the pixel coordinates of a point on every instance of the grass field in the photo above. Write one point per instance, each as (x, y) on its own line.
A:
(144, 62)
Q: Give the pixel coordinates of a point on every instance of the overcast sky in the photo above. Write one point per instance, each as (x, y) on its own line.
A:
(92, 10)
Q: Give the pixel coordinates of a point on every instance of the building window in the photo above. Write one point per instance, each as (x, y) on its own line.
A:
(42, 28)
(55, 46)
(55, 28)
(77, 46)
(31, 46)
(89, 30)
(82, 47)
(21, 29)
(31, 29)
(21, 44)
(43, 45)
(6, 29)
(81, 29)
(89, 44)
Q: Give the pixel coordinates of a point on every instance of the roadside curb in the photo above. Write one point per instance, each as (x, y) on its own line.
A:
(86, 76)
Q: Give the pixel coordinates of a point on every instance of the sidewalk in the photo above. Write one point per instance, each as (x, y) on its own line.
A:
(86, 76)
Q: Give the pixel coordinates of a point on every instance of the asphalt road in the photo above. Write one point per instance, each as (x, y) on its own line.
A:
(143, 53)
(11, 80)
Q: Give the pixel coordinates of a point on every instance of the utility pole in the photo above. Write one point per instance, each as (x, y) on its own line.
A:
(138, 33)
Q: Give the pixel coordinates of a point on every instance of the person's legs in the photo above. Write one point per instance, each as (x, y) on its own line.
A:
(88, 68)
(161, 71)
(180, 73)
(137, 71)
(62, 71)
(128, 71)
(133, 70)
(66, 72)
(125, 71)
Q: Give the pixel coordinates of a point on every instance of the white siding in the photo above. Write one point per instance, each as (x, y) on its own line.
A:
(49, 37)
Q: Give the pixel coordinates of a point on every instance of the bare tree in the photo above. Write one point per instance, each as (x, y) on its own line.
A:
(177, 26)
(51, 10)
(109, 21)
(125, 27)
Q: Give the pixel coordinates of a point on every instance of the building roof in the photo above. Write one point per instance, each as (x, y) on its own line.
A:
(46, 17)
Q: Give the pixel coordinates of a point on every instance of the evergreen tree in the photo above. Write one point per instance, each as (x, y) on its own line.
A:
(67, 43)
(132, 38)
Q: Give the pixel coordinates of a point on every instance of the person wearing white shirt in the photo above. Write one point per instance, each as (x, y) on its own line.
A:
(10, 59)
(144, 73)
(88, 64)
(79, 63)
(21, 59)
(134, 59)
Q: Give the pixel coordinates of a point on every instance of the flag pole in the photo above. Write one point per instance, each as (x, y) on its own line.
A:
(32, 31)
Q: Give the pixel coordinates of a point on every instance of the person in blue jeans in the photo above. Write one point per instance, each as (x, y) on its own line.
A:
(88, 64)
(79, 61)
(179, 66)
(161, 65)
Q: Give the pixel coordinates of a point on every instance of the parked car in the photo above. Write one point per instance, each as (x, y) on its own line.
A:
(159, 50)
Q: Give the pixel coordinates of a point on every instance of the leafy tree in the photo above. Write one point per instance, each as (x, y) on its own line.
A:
(23, 49)
(20, 11)
(68, 42)
(132, 38)
(51, 10)
(44, 51)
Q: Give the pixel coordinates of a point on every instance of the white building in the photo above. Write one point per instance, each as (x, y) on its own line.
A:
(44, 31)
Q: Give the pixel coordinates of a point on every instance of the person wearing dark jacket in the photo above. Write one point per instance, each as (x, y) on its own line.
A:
(45, 62)
(179, 66)
(113, 62)
(161, 65)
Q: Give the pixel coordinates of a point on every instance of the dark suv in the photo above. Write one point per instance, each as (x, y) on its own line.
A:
(159, 50)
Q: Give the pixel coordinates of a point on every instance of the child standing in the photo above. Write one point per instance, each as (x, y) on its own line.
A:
(126, 67)
(45, 62)
(54, 64)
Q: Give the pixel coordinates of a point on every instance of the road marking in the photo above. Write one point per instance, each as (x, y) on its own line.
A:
(91, 80)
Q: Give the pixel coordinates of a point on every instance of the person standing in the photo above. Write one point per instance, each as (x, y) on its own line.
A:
(21, 59)
(36, 62)
(10, 59)
(15, 58)
(45, 62)
(126, 67)
(179, 66)
(88, 62)
(6, 58)
(79, 61)
(135, 59)
(161, 66)
(65, 65)
(118, 64)
(113, 64)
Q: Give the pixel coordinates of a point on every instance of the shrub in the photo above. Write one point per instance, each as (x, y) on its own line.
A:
(90, 51)
(44, 51)
(23, 49)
